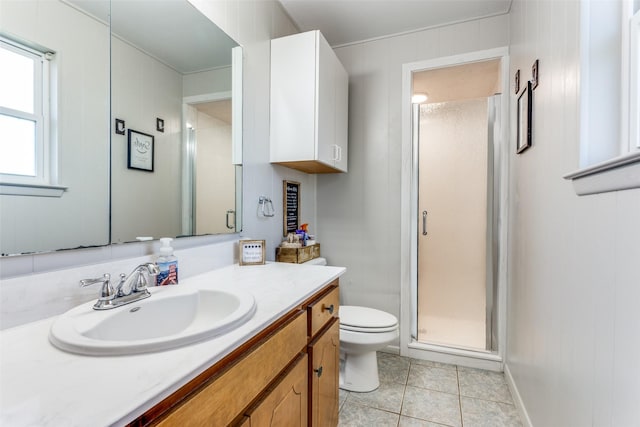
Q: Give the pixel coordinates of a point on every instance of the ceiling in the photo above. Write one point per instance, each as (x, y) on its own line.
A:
(172, 31)
(348, 21)
(458, 82)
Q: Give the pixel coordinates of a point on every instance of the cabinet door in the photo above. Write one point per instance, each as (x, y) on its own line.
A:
(286, 403)
(324, 360)
(293, 98)
(341, 116)
(326, 98)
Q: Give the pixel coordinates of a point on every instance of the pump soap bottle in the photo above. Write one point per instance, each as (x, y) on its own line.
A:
(167, 263)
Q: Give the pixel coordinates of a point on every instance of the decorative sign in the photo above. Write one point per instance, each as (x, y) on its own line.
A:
(252, 252)
(290, 206)
(140, 153)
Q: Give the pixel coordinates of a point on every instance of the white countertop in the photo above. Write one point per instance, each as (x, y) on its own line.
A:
(41, 385)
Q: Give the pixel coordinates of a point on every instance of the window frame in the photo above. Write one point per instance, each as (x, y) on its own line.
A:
(40, 116)
(620, 171)
(633, 80)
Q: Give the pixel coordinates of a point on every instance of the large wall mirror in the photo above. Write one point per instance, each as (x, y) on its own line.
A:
(145, 125)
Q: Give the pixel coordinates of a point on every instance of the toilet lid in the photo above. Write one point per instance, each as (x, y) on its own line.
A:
(356, 318)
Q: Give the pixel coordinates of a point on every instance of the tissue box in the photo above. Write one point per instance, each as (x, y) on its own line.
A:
(298, 255)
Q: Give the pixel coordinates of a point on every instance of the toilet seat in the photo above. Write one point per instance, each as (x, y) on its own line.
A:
(366, 320)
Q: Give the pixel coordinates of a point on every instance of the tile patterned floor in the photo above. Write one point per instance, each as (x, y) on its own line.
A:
(419, 393)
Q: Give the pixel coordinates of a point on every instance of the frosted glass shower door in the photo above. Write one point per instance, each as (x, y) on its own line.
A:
(452, 231)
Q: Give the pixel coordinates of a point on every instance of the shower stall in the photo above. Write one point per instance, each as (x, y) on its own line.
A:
(455, 277)
(453, 198)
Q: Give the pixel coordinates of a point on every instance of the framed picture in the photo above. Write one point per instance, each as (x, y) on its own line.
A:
(159, 124)
(140, 151)
(534, 75)
(120, 126)
(523, 135)
(251, 252)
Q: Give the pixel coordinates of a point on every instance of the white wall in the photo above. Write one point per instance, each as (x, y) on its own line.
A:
(205, 82)
(253, 24)
(359, 212)
(143, 89)
(573, 317)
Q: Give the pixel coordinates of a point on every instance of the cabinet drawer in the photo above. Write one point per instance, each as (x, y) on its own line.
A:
(221, 401)
(323, 310)
(286, 403)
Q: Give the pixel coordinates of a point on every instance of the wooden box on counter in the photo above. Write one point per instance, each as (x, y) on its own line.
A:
(298, 255)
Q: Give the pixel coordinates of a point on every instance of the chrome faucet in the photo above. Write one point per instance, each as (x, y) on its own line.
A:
(132, 287)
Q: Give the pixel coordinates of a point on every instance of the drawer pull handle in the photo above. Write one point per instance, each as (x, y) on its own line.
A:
(318, 371)
(329, 309)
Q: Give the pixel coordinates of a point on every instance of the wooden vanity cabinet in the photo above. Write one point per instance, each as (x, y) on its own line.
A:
(225, 396)
(324, 363)
(286, 403)
(324, 358)
(285, 376)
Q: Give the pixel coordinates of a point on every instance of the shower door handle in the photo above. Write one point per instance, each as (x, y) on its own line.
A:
(424, 223)
(231, 212)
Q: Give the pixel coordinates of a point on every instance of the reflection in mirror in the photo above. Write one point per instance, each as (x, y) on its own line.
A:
(156, 68)
(170, 62)
(68, 206)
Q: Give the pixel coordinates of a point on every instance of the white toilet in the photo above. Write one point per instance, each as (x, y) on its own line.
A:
(363, 331)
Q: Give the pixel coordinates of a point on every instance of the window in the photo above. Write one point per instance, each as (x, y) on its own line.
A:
(609, 97)
(24, 108)
(634, 80)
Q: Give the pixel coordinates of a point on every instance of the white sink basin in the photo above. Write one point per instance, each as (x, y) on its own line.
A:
(172, 317)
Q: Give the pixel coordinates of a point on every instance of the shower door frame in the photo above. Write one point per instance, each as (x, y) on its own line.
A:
(409, 224)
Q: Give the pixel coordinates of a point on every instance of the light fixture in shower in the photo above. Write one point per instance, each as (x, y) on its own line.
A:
(419, 98)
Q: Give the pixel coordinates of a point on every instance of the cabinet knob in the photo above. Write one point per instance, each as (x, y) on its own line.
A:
(329, 309)
(318, 371)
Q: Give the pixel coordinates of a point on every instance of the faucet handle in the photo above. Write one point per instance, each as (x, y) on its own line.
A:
(149, 269)
(107, 292)
(141, 282)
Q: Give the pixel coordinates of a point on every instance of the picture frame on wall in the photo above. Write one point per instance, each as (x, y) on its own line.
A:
(120, 127)
(523, 134)
(140, 151)
(252, 252)
(534, 74)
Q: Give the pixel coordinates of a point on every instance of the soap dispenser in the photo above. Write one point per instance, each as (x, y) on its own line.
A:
(167, 263)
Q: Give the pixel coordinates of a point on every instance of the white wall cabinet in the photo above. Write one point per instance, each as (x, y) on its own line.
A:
(309, 105)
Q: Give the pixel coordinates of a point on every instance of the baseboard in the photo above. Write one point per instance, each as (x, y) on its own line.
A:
(455, 356)
(517, 399)
(391, 349)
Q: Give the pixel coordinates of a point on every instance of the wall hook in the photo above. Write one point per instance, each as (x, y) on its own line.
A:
(265, 207)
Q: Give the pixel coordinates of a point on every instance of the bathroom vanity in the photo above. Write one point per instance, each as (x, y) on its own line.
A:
(280, 367)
